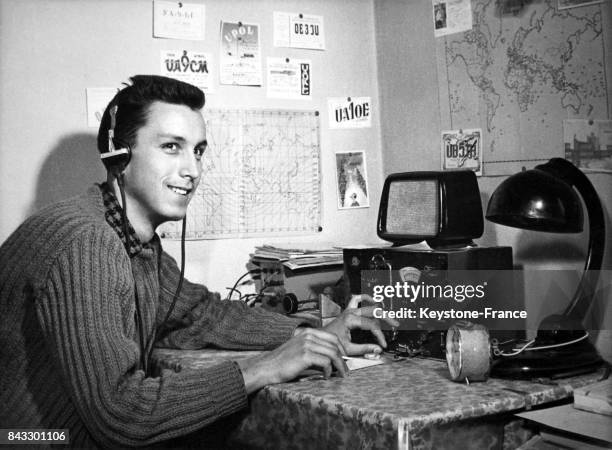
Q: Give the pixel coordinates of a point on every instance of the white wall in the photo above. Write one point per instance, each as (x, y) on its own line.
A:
(51, 51)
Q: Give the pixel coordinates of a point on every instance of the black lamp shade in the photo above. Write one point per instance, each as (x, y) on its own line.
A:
(536, 200)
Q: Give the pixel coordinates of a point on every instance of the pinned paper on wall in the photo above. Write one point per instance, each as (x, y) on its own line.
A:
(451, 16)
(352, 180)
(289, 78)
(349, 112)
(97, 101)
(178, 20)
(588, 143)
(462, 149)
(188, 66)
(298, 30)
(240, 54)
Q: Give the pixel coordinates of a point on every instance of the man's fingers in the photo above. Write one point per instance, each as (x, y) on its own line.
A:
(368, 311)
(324, 359)
(367, 300)
(314, 345)
(358, 300)
(362, 318)
(322, 336)
(362, 349)
(367, 323)
(380, 337)
(354, 302)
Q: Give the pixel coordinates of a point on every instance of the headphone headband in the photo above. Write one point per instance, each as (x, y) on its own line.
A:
(114, 153)
(115, 159)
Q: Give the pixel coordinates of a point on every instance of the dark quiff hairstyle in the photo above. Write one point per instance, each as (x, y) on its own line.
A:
(134, 100)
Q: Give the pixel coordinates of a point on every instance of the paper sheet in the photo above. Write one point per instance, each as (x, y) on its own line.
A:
(289, 78)
(355, 363)
(298, 30)
(189, 66)
(240, 54)
(178, 20)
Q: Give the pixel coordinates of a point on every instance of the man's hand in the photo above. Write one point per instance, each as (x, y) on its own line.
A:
(316, 348)
(359, 317)
(309, 348)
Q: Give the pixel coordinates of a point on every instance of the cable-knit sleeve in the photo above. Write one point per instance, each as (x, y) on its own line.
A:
(200, 318)
(86, 313)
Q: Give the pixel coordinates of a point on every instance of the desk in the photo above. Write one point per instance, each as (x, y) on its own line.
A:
(403, 404)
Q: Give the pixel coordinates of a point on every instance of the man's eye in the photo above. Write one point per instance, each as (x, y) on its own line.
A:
(199, 151)
(171, 147)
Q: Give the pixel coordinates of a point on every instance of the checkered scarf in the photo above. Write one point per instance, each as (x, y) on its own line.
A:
(114, 218)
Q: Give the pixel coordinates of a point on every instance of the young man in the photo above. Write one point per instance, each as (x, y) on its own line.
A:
(82, 293)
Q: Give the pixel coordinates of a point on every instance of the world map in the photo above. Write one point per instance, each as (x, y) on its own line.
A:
(518, 74)
(261, 175)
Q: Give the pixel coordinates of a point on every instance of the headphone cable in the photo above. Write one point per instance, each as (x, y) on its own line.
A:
(141, 337)
(161, 328)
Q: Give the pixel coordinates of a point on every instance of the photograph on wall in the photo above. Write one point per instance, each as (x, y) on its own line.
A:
(352, 180)
(588, 143)
(462, 149)
(188, 66)
(289, 78)
(178, 20)
(440, 15)
(451, 16)
(240, 54)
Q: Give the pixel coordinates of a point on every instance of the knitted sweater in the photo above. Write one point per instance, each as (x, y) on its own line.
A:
(69, 342)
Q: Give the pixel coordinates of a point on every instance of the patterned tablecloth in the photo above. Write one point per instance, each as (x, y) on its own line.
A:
(410, 403)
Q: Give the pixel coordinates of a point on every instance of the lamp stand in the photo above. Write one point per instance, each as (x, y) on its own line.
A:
(561, 347)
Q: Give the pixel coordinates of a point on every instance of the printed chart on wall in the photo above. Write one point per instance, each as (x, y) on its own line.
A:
(517, 74)
(261, 175)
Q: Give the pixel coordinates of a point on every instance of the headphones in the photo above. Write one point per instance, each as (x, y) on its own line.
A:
(119, 153)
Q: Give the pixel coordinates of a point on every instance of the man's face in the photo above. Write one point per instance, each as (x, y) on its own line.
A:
(165, 169)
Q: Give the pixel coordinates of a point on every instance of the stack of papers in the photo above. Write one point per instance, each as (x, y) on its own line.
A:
(294, 257)
(595, 397)
(567, 427)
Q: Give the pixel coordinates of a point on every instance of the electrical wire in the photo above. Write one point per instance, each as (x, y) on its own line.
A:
(163, 325)
(234, 288)
(139, 322)
(527, 347)
(251, 299)
(562, 344)
(182, 275)
(516, 352)
(231, 291)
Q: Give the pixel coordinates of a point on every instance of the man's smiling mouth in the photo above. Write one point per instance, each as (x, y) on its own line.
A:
(179, 190)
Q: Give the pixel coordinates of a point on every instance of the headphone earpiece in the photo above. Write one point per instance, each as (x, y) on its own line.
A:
(119, 153)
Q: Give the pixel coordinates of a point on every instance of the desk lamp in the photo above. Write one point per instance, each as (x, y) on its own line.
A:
(544, 199)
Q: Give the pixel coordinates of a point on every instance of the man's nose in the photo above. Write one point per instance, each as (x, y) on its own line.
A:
(190, 166)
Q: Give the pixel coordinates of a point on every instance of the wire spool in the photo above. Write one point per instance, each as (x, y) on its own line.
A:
(468, 352)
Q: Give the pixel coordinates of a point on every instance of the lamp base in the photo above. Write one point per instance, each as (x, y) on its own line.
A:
(561, 362)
